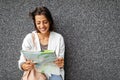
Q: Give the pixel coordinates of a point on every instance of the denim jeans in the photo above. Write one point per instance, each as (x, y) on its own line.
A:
(55, 77)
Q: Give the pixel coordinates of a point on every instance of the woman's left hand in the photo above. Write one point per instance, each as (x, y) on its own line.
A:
(59, 62)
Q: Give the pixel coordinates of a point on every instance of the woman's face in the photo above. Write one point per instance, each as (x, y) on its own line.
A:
(42, 24)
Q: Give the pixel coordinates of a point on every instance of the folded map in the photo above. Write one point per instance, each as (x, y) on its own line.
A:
(43, 60)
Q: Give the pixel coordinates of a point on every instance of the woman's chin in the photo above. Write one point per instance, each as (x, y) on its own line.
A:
(44, 32)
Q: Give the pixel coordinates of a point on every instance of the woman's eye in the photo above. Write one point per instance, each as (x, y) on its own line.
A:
(38, 23)
(45, 22)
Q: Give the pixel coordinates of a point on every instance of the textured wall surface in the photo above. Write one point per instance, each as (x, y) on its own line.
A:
(91, 29)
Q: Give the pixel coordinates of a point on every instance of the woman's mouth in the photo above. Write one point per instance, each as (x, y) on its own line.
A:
(43, 29)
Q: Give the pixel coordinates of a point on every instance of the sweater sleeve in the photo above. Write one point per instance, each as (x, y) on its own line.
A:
(26, 45)
(61, 53)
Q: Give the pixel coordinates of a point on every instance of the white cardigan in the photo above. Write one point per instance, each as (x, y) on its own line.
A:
(56, 43)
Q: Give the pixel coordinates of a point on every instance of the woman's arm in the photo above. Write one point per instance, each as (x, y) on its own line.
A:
(61, 50)
(26, 45)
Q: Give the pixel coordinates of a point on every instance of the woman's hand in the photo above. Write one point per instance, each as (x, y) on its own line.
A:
(28, 65)
(59, 62)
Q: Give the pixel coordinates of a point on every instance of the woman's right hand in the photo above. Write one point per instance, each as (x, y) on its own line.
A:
(28, 65)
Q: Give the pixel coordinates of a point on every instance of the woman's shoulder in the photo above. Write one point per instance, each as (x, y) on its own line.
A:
(56, 34)
(29, 35)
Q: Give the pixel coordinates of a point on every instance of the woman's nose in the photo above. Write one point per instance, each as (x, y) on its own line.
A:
(41, 25)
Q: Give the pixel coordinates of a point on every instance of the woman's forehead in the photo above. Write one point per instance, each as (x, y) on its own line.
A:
(40, 17)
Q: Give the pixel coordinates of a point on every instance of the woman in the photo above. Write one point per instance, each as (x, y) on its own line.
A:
(44, 39)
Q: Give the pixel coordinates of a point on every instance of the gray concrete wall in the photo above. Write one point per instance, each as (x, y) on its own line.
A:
(91, 29)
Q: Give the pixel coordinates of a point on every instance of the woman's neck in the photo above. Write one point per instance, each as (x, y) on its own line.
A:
(43, 36)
